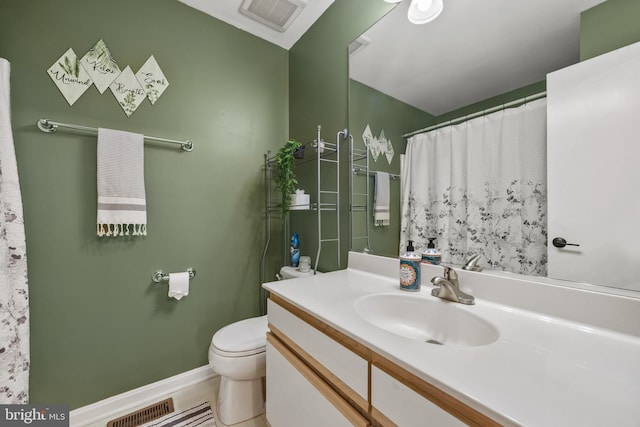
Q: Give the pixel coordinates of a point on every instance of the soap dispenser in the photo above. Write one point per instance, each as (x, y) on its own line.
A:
(431, 255)
(410, 269)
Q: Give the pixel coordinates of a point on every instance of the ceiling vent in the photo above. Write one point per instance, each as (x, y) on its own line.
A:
(276, 14)
(358, 44)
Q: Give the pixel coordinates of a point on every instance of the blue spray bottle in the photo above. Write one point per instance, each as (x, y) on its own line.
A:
(295, 250)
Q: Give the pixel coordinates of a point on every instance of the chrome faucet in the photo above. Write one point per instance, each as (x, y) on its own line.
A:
(449, 289)
(472, 263)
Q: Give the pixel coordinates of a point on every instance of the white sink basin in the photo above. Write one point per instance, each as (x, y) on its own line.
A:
(432, 321)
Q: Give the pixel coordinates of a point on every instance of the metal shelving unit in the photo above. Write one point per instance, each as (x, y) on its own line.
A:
(327, 198)
(359, 197)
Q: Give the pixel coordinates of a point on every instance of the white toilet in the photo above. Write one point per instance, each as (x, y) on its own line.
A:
(237, 353)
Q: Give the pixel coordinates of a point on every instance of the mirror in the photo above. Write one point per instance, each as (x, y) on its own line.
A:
(405, 77)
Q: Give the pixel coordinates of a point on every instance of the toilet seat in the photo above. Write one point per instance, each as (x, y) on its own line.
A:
(237, 354)
(242, 338)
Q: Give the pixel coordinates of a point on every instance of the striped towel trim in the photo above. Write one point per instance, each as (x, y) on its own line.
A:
(199, 415)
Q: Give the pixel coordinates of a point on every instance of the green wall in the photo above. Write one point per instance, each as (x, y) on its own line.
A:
(99, 326)
(609, 26)
(318, 95)
(381, 112)
(503, 98)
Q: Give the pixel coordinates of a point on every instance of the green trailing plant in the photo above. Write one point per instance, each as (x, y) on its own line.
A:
(285, 177)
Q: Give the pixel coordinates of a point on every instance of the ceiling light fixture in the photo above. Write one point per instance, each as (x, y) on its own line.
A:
(422, 11)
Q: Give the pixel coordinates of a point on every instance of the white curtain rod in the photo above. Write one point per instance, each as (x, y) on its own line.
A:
(458, 120)
(49, 126)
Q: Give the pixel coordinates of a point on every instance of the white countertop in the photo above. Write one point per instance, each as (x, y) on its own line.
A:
(543, 370)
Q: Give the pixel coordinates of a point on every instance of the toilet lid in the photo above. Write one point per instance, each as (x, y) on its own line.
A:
(242, 338)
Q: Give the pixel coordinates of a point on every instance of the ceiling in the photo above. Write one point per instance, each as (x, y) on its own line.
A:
(228, 11)
(474, 50)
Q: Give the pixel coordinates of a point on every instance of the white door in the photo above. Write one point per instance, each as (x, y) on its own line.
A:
(593, 163)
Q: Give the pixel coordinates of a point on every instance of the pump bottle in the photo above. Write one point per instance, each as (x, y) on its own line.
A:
(431, 255)
(410, 269)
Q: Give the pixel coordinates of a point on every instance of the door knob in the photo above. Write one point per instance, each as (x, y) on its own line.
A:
(559, 242)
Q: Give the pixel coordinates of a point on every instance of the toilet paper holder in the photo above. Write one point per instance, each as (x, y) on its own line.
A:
(160, 276)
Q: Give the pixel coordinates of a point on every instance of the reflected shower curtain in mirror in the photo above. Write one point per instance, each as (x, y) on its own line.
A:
(14, 294)
(479, 187)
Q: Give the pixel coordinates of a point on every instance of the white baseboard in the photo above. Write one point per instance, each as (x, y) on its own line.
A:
(139, 397)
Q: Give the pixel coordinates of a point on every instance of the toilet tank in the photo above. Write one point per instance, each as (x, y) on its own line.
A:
(288, 272)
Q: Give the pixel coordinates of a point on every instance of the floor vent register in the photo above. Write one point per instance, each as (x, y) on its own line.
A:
(144, 415)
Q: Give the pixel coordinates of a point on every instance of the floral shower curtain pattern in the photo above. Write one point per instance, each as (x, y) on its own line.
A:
(479, 187)
(14, 293)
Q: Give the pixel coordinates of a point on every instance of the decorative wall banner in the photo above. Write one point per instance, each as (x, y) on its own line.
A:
(100, 65)
(390, 152)
(378, 145)
(367, 137)
(128, 91)
(74, 76)
(152, 79)
(69, 76)
(385, 147)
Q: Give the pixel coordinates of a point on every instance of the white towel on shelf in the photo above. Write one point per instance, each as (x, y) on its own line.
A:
(121, 197)
(381, 202)
(178, 285)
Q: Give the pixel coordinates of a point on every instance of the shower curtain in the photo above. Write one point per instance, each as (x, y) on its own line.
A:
(14, 294)
(479, 187)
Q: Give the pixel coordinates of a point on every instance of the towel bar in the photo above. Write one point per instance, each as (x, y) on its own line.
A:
(359, 171)
(49, 126)
(160, 276)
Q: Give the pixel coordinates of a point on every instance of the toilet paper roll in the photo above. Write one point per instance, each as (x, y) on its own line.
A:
(305, 264)
(178, 285)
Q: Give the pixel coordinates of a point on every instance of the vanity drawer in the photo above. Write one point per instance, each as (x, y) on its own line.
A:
(395, 404)
(296, 396)
(340, 366)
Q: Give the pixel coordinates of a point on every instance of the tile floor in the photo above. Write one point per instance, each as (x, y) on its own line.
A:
(207, 390)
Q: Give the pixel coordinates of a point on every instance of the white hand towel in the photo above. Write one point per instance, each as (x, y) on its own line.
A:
(121, 194)
(178, 285)
(381, 202)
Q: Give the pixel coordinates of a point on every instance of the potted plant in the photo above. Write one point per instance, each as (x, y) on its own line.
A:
(285, 178)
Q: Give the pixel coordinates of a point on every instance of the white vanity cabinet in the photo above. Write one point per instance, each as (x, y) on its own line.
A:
(557, 360)
(312, 380)
(297, 396)
(318, 376)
